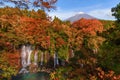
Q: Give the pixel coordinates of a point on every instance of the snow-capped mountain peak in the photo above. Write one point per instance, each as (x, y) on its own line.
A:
(78, 16)
(80, 13)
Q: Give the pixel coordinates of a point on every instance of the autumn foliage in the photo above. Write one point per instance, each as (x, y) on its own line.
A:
(26, 4)
(14, 59)
(88, 26)
(21, 27)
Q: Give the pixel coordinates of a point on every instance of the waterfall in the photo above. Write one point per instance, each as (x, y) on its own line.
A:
(23, 60)
(56, 62)
(35, 57)
(27, 65)
(28, 52)
(41, 59)
(95, 50)
(23, 56)
(73, 53)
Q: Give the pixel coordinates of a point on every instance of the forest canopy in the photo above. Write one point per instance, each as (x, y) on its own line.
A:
(89, 47)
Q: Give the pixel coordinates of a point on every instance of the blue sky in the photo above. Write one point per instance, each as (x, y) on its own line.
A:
(98, 8)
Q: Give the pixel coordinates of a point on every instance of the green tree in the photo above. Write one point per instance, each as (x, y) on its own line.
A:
(116, 12)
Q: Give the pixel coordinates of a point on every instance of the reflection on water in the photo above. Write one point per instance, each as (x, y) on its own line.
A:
(32, 76)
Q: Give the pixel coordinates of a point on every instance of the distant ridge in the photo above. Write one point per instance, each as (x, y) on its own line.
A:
(79, 16)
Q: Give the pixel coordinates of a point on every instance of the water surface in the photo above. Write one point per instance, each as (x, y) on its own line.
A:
(32, 76)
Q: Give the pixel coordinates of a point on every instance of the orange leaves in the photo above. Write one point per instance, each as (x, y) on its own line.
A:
(48, 4)
(88, 26)
(13, 59)
(48, 40)
(45, 42)
(35, 27)
(27, 19)
(26, 4)
(95, 42)
(87, 29)
(57, 24)
(109, 75)
(35, 3)
(59, 42)
(1, 35)
(33, 30)
(45, 4)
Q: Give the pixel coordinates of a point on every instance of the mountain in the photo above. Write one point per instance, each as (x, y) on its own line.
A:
(79, 16)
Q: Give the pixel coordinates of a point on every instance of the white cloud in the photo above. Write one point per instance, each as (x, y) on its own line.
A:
(62, 15)
(102, 14)
(105, 14)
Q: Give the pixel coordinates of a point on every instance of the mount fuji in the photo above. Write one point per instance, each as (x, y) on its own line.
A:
(79, 16)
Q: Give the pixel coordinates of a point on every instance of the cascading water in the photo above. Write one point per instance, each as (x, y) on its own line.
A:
(27, 65)
(23, 56)
(41, 64)
(23, 60)
(56, 62)
(72, 53)
(57, 59)
(28, 52)
(35, 57)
